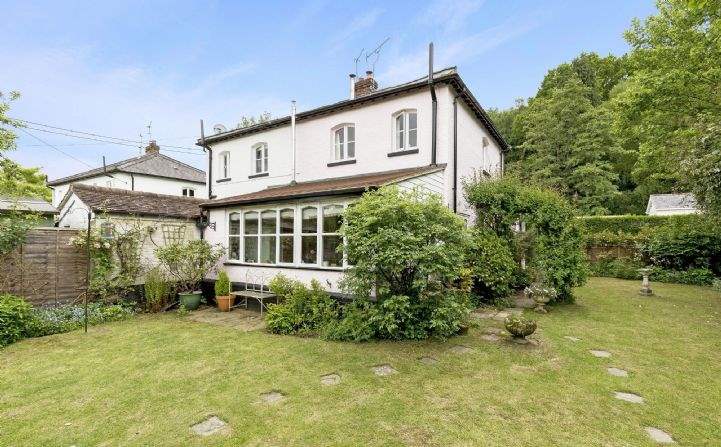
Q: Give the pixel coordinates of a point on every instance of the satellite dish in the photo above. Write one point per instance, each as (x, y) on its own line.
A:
(219, 128)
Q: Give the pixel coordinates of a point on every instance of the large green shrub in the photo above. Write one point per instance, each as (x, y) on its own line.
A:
(625, 268)
(692, 242)
(552, 244)
(188, 262)
(302, 310)
(15, 319)
(157, 290)
(492, 266)
(409, 249)
(626, 224)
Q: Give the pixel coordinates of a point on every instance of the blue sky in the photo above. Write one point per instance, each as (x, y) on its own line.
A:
(111, 67)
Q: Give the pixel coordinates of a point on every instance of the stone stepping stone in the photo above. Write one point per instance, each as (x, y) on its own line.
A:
(629, 397)
(493, 330)
(600, 354)
(617, 372)
(659, 436)
(428, 360)
(210, 426)
(490, 337)
(330, 379)
(461, 349)
(384, 370)
(569, 337)
(272, 397)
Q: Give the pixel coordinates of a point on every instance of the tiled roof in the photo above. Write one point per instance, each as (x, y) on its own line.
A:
(153, 164)
(26, 204)
(332, 186)
(122, 201)
(447, 75)
(681, 201)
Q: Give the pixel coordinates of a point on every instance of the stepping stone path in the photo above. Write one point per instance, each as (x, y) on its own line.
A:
(428, 360)
(384, 370)
(600, 354)
(272, 397)
(490, 337)
(461, 349)
(330, 379)
(568, 337)
(618, 372)
(629, 397)
(659, 436)
(210, 426)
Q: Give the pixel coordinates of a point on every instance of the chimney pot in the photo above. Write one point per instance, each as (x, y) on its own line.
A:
(365, 86)
(152, 148)
(352, 85)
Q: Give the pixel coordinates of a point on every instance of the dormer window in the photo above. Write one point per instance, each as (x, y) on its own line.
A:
(188, 192)
(405, 130)
(344, 142)
(260, 158)
(225, 164)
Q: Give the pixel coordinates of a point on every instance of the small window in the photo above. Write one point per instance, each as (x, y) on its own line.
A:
(260, 158)
(225, 164)
(287, 221)
(405, 130)
(234, 236)
(107, 230)
(250, 237)
(332, 240)
(309, 236)
(344, 142)
(188, 192)
(268, 228)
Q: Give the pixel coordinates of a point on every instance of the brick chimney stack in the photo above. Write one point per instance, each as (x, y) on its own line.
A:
(365, 86)
(152, 148)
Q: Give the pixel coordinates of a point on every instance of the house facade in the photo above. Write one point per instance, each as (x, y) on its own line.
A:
(279, 188)
(151, 172)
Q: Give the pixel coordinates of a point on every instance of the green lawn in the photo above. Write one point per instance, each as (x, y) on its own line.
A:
(145, 381)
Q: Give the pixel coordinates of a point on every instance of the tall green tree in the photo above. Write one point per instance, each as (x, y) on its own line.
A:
(7, 136)
(18, 181)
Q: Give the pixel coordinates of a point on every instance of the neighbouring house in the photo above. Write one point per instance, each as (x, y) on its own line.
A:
(279, 187)
(32, 205)
(671, 204)
(163, 218)
(151, 172)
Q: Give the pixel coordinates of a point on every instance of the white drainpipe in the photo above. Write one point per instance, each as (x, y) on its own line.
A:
(292, 127)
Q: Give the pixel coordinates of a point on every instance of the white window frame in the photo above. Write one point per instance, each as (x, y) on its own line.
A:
(224, 158)
(296, 207)
(405, 117)
(187, 191)
(342, 153)
(264, 159)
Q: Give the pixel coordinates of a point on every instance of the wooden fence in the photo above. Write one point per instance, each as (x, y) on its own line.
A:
(596, 252)
(46, 269)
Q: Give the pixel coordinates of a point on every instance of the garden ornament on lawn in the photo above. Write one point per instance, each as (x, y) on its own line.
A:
(541, 294)
(645, 283)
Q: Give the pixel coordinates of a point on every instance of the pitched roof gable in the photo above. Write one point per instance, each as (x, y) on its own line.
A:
(447, 75)
(122, 201)
(333, 186)
(152, 164)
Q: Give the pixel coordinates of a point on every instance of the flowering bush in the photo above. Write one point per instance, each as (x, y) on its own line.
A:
(66, 318)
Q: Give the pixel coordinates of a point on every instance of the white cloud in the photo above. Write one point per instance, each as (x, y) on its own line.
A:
(360, 23)
(449, 15)
(66, 88)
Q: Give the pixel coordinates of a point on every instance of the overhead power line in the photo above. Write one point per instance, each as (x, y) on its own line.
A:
(55, 148)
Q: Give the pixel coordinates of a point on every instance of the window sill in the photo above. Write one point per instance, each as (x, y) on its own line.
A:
(262, 174)
(341, 162)
(405, 152)
(285, 266)
(222, 180)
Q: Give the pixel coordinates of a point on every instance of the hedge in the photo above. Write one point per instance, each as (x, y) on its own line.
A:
(628, 224)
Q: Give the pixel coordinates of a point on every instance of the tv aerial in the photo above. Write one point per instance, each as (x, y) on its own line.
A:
(375, 54)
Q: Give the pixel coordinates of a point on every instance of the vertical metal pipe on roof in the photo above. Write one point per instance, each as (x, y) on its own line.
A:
(210, 160)
(292, 128)
(455, 153)
(434, 109)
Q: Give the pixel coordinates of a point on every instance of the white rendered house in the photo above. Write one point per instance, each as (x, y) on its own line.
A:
(151, 172)
(278, 188)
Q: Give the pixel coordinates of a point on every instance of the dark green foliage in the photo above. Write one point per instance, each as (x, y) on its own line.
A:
(553, 241)
(492, 266)
(14, 227)
(222, 284)
(302, 310)
(625, 268)
(520, 327)
(692, 242)
(157, 290)
(15, 319)
(187, 263)
(628, 224)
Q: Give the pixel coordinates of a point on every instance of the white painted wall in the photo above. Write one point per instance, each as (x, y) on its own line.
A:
(74, 214)
(145, 183)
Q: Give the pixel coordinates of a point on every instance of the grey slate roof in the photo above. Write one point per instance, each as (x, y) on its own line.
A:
(447, 75)
(153, 164)
(681, 201)
(123, 201)
(26, 204)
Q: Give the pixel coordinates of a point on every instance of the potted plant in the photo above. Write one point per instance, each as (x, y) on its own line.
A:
(520, 327)
(187, 263)
(222, 292)
(541, 294)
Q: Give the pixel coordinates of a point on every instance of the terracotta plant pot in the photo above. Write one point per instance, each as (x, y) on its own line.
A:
(224, 302)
